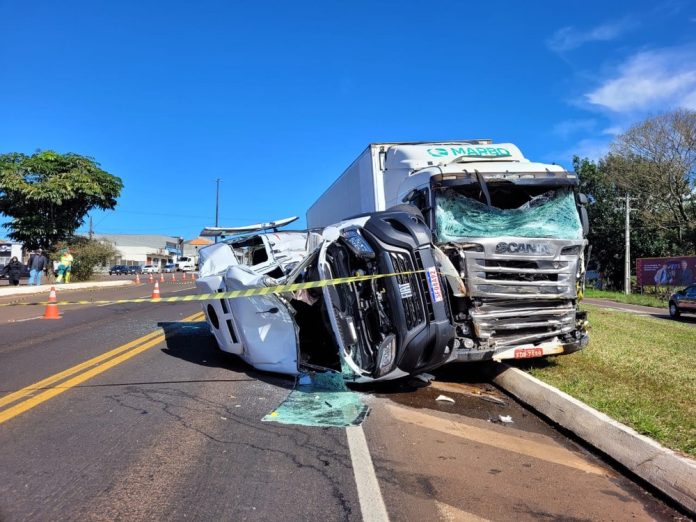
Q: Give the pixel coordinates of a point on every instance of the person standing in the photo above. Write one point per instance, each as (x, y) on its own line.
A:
(65, 266)
(13, 269)
(685, 276)
(37, 265)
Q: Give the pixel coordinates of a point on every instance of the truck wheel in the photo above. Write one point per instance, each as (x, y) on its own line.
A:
(673, 310)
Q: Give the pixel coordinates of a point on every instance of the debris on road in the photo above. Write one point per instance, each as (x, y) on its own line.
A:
(502, 419)
(320, 399)
(444, 398)
(425, 377)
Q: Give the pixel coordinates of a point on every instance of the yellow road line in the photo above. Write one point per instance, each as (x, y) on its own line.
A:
(102, 362)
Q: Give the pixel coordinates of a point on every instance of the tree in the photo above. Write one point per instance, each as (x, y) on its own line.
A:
(47, 195)
(87, 255)
(655, 161)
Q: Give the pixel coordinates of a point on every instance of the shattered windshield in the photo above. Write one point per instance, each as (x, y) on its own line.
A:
(552, 214)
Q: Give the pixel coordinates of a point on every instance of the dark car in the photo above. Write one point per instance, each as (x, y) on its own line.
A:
(134, 269)
(118, 270)
(683, 301)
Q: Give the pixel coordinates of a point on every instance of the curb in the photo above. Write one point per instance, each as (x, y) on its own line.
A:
(42, 289)
(670, 473)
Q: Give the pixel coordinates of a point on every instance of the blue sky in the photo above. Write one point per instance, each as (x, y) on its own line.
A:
(277, 98)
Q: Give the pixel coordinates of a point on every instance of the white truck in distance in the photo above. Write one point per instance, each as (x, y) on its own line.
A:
(514, 231)
(186, 264)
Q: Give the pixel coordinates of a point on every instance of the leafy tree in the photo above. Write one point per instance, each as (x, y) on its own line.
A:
(47, 195)
(655, 161)
(87, 255)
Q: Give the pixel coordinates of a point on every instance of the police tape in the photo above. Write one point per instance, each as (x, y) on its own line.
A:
(234, 294)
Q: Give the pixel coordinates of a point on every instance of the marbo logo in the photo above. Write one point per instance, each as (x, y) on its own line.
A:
(483, 152)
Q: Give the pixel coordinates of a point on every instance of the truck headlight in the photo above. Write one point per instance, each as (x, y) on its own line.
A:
(358, 244)
(387, 353)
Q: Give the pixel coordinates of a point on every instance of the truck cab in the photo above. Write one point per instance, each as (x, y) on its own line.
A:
(515, 232)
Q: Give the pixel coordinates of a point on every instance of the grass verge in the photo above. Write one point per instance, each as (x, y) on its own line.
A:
(638, 370)
(620, 297)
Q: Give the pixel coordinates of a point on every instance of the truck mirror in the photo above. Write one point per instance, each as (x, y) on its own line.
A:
(585, 221)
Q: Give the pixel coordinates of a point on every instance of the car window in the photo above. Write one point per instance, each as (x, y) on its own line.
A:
(691, 292)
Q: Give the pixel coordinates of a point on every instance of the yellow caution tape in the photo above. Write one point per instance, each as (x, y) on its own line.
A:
(232, 294)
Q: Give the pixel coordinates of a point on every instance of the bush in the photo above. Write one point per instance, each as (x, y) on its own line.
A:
(87, 255)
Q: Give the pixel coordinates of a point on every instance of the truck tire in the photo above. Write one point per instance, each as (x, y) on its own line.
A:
(673, 310)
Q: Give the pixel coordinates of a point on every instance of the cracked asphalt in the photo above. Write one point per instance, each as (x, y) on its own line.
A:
(175, 433)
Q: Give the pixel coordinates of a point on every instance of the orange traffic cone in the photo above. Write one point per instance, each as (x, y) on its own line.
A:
(184, 276)
(150, 278)
(51, 311)
(173, 277)
(193, 276)
(155, 291)
(137, 279)
(161, 278)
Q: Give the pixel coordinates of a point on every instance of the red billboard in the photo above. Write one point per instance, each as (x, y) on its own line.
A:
(676, 271)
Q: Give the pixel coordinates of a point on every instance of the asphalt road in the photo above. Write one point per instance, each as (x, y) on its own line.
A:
(658, 313)
(129, 412)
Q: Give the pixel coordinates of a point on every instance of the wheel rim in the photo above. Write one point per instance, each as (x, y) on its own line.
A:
(672, 309)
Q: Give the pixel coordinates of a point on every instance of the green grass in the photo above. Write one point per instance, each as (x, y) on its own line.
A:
(639, 370)
(638, 299)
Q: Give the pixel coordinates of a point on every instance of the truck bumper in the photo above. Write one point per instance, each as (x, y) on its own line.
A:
(522, 351)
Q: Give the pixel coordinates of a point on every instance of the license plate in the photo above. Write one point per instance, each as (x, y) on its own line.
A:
(434, 284)
(528, 353)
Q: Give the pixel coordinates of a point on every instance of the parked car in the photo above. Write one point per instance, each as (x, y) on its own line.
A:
(118, 270)
(378, 329)
(169, 267)
(186, 264)
(151, 269)
(135, 269)
(683, 301)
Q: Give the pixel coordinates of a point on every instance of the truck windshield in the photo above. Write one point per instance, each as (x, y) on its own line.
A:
(551, 214)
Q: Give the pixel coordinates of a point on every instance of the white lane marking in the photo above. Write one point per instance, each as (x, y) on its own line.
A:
(371, 502)
(22, 320)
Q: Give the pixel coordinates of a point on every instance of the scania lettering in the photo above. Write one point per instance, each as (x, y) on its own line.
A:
(511, 235)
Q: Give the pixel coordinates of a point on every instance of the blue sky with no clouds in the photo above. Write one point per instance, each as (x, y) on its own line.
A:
(277, 98)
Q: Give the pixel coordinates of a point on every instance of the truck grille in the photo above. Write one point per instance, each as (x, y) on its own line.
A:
(413, 308)
(518, 299)
(521, 277)
(519, 322)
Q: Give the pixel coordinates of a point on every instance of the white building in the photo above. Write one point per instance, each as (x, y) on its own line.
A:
(151, 249)
(143, 249)
(8, 250)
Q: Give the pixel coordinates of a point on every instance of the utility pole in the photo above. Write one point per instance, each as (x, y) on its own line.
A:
(91, 229)
(627, 255)
(217, 204)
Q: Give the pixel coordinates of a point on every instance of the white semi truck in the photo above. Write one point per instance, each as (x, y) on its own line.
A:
(512, 234)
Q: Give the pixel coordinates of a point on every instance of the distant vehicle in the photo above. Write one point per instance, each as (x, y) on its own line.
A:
(151, 269)
(118, 270)
(135, 269)
(186, 264)
(683, 302)
(169, 267)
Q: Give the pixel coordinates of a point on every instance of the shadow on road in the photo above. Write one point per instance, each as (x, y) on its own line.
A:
(194, 343)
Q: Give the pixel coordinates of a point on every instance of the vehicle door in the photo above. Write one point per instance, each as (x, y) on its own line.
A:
(688, 303)
(264, 324)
